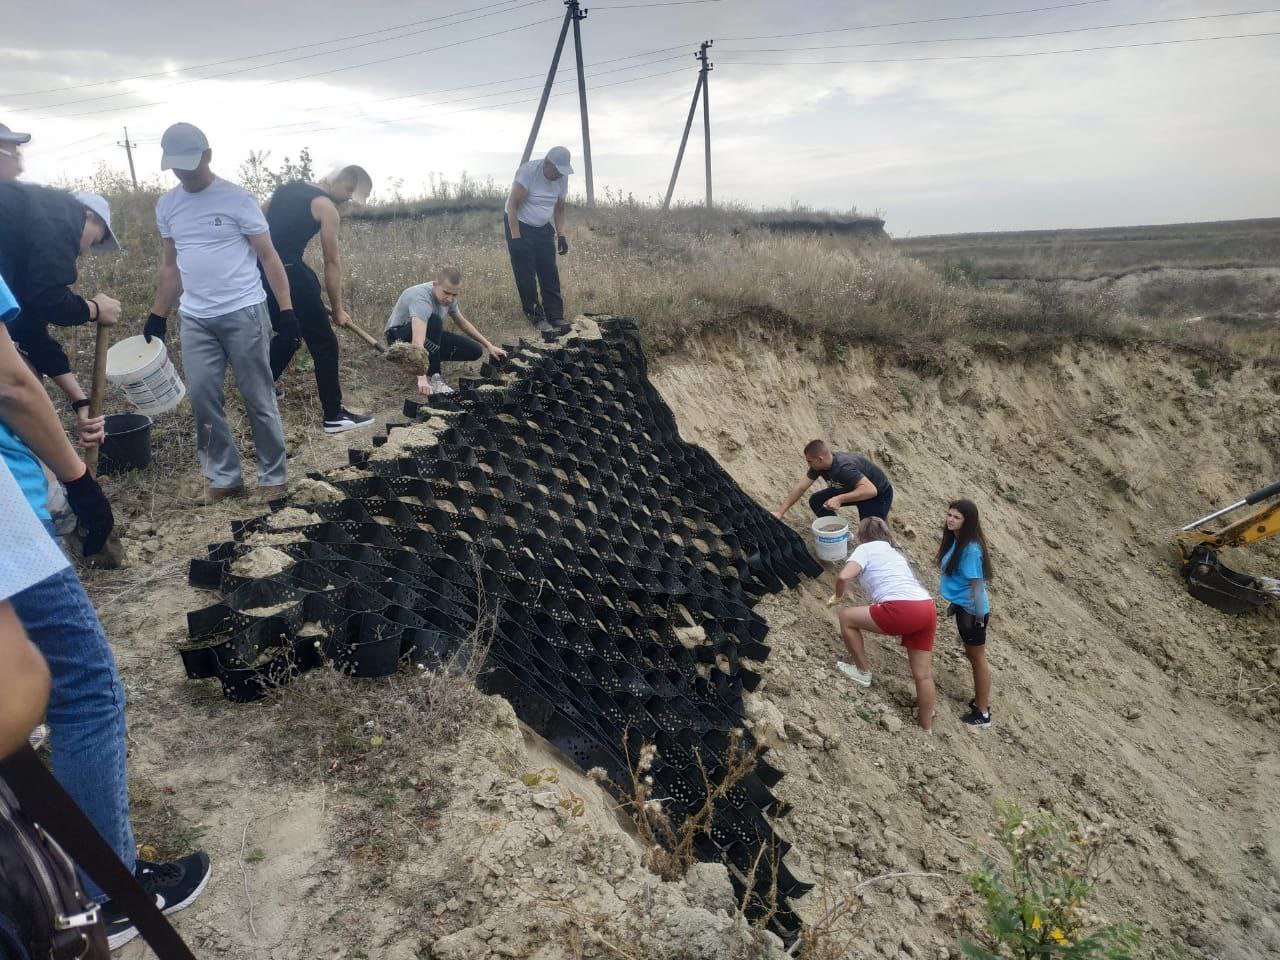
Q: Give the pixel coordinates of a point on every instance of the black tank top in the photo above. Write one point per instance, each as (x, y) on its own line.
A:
(290, 219)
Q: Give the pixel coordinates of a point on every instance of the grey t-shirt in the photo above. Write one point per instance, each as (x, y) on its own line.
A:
(539, 206)
(418, 301)
(847, 469)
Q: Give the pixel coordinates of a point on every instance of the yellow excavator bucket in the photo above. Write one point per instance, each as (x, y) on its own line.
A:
(1213, 582)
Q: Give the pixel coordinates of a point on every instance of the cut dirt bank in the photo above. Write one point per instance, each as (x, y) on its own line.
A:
(1118, 699)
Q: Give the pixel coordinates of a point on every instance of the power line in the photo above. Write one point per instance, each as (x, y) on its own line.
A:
(415, 53)
(255, 56)
(660, 3)
(482, 96)
(277, 63)
(489, 106)
(1003, 56)
(911, 23)
(1005, 36)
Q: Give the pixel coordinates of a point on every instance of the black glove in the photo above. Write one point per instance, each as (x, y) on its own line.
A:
(91, 508)
(156, 326)
(562, 244)
(287, 327)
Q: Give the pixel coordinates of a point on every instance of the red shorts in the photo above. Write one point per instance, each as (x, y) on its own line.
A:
(915, 621)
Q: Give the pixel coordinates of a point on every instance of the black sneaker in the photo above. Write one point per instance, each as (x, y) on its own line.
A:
(975, 717)
(279, 392)
(348, 421)
(542, 326)
(174, 885)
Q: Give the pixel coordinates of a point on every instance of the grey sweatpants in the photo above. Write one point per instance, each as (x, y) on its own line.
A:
(244, 339)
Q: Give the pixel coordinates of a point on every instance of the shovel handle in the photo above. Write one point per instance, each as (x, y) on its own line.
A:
(99, 388)
(367, 337)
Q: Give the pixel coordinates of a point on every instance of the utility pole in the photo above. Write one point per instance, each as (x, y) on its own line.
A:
(699, 89)
(578, 16)
(128, 149)
(546, 89)
(706, 112)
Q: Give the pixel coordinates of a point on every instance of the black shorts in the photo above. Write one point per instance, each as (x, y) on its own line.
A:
(973, 630)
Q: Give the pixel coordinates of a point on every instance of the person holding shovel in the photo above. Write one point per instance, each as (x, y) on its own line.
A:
(215, 236)
(86, 703)
(44, 233)
(297, 212)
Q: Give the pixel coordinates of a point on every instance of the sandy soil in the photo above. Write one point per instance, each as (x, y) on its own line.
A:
(1117, 698)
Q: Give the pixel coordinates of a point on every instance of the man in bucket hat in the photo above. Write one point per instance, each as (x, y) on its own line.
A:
(46, 232)
(215, 236)
(535, 232)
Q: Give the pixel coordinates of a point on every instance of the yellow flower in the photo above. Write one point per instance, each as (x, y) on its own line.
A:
(1035, 921)
(1057, 936)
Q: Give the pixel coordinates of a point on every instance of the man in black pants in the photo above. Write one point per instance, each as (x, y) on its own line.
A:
(850, 477)
(418, 318)
(534, 223)
(296, 213)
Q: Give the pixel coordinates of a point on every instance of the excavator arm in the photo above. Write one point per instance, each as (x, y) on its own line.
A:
(1211, 581)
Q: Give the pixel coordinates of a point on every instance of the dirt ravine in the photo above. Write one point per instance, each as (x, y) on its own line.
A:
(1117, 698)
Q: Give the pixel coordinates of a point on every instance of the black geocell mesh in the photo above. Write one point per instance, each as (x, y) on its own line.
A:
(588, 532)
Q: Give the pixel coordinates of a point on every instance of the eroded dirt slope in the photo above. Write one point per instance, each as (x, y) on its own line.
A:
(1117, 698)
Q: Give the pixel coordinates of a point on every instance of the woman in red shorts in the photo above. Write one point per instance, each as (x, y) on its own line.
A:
(900, 607)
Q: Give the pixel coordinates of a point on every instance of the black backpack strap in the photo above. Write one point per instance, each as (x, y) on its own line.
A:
(43, 798)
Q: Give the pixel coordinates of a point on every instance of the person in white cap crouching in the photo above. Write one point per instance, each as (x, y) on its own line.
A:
(534, 222)
(215, 235)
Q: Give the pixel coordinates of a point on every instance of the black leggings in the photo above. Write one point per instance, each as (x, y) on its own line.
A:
(441, 344)
(317, 331)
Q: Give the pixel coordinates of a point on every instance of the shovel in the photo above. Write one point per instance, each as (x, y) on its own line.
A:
(111, 555)
(410, 358)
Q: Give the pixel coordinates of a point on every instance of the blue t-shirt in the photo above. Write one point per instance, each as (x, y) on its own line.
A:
(955, 586)
(17, 455)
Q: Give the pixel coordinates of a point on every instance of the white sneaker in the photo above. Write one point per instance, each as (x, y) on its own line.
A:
(853, 673)
(38, 736)
(439, 386)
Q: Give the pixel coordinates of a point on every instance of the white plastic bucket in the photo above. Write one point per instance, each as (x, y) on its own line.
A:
(831, 537)
(143, 371)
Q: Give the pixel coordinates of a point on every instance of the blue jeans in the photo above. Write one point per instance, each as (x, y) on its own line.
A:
(86, 706)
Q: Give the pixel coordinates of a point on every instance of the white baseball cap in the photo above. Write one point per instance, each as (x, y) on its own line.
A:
(108, 243)
(184, 145)
(559, 156)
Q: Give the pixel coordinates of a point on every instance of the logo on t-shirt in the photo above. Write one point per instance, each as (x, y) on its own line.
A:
(217, 221)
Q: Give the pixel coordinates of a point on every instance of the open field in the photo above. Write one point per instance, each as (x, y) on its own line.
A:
(1104, 252)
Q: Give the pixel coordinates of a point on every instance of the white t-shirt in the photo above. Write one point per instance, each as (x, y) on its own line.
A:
(885, 573)
(538, 207)
(211, 229)
(29, 555)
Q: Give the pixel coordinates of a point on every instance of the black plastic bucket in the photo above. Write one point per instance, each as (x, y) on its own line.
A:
(127, 445)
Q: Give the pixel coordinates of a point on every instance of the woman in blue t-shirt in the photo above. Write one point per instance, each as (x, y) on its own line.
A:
(965, 567)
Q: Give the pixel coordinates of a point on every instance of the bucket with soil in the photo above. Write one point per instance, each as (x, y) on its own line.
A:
(127, 445)
(831, 538)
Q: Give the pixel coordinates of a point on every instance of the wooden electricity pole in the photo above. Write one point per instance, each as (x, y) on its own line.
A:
(706, 112)
(578, 16)
(128, 149)
(699, 90)
(546, 89)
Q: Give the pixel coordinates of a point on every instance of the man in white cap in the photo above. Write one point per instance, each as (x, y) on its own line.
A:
(214, 238)
(10, 154)
(535, 231)
(45, 232)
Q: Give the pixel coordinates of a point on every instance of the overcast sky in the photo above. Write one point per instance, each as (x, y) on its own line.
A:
(1143, 134)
